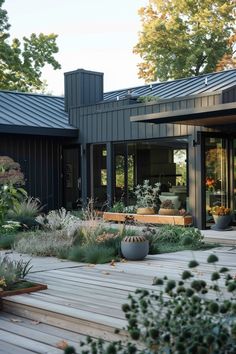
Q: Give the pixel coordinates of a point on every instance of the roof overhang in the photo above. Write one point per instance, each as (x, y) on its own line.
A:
(20, 129)
(205, 116)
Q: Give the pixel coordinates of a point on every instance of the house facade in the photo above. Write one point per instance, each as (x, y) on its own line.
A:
(181, 133)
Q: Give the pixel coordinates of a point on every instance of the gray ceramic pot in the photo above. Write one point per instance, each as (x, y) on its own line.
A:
(134, 251)
(222, 222)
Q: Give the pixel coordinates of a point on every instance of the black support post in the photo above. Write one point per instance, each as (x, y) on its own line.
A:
(110, 169)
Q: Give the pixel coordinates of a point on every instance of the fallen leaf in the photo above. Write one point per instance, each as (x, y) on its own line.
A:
(106, 273)
(123, 260)
(63, 344)
(35, 322)
(113, 263)
(15, 320)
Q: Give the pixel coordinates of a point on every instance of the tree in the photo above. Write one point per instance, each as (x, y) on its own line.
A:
(21, 63)
(181, 38)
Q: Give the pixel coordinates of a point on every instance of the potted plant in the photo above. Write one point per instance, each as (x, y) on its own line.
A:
(134, 248)
(146, 197)
(167, 208)
(222, 217)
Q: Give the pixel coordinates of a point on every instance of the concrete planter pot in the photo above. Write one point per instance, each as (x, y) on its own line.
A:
(163, 211)
(134, 248)
(146, 211)
(222, 222)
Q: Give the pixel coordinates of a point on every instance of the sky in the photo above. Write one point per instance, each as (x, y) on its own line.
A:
(95, 35)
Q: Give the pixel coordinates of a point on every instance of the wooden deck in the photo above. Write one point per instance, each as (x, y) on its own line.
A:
(85, 299)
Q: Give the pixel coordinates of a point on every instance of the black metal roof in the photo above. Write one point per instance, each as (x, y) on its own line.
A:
(217, 81)
(29, 113)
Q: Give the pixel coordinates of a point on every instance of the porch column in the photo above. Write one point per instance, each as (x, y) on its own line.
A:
(84, 174)
(110, 169)
(195, 180)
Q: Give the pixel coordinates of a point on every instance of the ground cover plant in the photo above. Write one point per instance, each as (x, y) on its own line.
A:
(13, 273)
(8, 234)
(180, 316)
(172, 238)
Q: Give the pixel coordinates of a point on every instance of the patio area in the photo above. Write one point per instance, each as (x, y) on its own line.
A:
(84, 299)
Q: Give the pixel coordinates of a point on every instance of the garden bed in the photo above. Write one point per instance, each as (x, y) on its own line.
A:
(149, 219)
(24, 287)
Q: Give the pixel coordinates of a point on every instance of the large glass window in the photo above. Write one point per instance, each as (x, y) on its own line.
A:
(215, 173)
(161, 161)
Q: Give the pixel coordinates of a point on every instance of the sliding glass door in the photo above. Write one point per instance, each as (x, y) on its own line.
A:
(216, 174)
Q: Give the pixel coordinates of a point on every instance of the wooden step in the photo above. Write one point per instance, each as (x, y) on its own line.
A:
(63, 316)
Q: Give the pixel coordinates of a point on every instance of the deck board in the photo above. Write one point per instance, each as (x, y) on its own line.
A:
(86, 299)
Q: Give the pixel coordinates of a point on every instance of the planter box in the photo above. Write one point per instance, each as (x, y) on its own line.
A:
(149, 219)
(35, 287)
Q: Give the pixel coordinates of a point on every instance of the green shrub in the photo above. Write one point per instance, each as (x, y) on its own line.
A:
(7, 241)
(26, 211)
(170, 238)
(12, 271)
(95, 254)
(44, 243)
(180, 318)
(59, 220)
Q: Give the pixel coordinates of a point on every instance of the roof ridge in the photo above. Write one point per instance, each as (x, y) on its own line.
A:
(169, 81)
(31, 94)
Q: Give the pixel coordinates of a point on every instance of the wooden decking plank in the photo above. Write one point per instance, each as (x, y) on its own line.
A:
(28, 344)
(85, 298)
(70, 312)
(83, 287)
(44, 328)
(8, 348)
(31, 333)
(75, 324)
(79, 305)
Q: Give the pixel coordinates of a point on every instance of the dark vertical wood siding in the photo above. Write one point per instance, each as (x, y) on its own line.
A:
(40, 161)
(229, 95)
(107, 122)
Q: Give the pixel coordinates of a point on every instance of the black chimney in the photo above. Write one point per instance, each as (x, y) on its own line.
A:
(82, 87)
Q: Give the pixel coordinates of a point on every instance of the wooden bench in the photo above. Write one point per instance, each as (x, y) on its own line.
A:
(149, 219)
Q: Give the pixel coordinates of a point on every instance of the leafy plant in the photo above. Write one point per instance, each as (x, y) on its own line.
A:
(59, 220)
(118, 207)
(167, 204)
(12, 271)
(95, 254)
(220, 210)
(187, 315)
(146, 195)
(26, 211)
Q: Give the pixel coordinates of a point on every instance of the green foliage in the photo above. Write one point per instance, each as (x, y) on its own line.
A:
(147, 99)
(7, 241)
(179, 318)
(171, 238)
(44, 243)
(26, 211)
(118, 207)
(95, 254)
(21, 63)
(147, 195)
(8, 233)
(60, 220)
(181, 38)
(13, 271)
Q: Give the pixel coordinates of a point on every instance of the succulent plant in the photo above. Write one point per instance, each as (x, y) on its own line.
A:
(167, 204)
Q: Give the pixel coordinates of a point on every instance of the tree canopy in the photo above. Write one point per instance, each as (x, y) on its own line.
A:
(21, 62)
(181, 38)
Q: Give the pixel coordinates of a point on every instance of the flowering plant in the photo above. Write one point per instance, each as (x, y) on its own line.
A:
(210, 183)
(220, 210)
